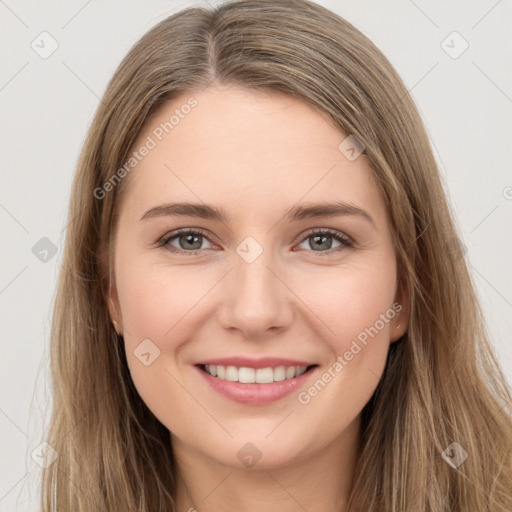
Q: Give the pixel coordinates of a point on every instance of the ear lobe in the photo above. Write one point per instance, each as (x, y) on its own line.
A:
(401, 319)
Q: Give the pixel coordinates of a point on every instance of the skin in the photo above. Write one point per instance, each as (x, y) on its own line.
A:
(255, 155)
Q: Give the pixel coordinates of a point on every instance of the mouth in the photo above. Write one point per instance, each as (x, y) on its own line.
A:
(249, 375)
(255, 381)
(255, 386)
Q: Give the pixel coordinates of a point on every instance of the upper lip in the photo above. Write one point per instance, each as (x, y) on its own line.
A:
(248, 362)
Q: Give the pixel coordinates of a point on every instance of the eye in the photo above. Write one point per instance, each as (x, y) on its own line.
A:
(320, 240)
(185, 239)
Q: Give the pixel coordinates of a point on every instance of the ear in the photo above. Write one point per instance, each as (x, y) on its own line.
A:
(114, 308)
(113, 305)
(401, 307)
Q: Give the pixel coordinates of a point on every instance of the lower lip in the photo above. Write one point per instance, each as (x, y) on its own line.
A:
(256, 394)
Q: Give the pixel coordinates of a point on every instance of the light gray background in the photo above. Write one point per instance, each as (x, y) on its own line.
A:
(47, 104)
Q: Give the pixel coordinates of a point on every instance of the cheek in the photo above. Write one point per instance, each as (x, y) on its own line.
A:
(352, 301)
(159, 306)
(155, 298)
(356, 309)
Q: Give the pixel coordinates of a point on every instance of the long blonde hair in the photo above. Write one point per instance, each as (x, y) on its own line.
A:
(441, 384)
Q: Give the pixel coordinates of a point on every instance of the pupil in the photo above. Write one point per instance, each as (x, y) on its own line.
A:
(190, 239)
(318, 239)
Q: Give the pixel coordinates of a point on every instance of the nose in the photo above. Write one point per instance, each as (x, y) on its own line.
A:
(256, 299)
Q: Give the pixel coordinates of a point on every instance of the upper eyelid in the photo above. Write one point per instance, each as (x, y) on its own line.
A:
(174, 234)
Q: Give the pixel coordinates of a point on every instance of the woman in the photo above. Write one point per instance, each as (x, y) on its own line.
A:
(263, 303)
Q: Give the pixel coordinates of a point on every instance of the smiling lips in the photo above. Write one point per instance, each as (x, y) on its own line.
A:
(248, 375)
(255, 381)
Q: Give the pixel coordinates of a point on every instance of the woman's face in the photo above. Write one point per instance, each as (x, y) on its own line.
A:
(254, 280)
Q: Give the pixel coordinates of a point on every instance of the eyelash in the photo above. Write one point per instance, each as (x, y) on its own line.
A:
(345, 240)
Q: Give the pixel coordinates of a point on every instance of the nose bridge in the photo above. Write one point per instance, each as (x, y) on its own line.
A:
(253, 283)
(255, 299)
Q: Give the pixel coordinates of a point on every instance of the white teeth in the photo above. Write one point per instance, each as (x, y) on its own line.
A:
(301, 370)
(246, 375)
(264, 375)
(252, 375)
(231, 373)
(280, 373)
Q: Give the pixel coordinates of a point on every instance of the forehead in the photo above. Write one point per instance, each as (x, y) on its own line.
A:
(254, 151)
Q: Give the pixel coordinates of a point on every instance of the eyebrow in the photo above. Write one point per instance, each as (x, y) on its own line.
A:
(298, 212)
